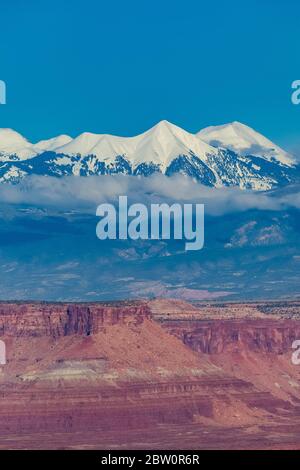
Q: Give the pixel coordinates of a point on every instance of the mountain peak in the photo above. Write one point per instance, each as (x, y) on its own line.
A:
(53, 143)
(10, 137)
(164, 123)
(245, 141)
(12, 143)
(165, 147)
(165, 126)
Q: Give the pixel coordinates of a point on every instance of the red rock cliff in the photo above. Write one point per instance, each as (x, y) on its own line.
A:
(57, 320)
(218, 336)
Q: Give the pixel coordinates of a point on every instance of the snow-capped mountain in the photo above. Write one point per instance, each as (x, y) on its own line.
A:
(159, 146)
(244, 141)
(230, 155)
(13, 146)
(52, 144)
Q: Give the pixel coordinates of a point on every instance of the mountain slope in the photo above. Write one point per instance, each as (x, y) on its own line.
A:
(244, 141)
(159, 145)
(52, 144)
(13, 146)
(250, 161)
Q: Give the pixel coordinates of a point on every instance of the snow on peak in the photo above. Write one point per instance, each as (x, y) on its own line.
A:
(159, 145)
(12, 143)
(83, 144)
(9, 137)
(166, 141)
(244, 140)
(52, 144)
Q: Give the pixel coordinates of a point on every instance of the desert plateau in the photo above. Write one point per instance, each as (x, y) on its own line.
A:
(159, 374)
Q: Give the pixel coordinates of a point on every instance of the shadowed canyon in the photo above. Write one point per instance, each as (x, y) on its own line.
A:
(160, 374)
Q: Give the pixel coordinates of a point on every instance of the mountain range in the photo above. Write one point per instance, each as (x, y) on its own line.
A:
(228, 155)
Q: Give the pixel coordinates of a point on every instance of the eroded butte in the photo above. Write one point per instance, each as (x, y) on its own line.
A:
(150, 375)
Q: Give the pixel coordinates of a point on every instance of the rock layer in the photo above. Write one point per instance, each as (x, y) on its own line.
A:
(57, 320)
(219, 336)
(142, 374)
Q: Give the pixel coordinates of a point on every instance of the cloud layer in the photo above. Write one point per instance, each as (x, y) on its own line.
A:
(85, 194)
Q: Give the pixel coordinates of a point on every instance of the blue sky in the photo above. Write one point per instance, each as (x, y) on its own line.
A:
(120, 66)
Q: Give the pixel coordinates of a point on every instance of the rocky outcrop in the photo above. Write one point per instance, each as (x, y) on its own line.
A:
(58, 320)
(129, 375)
(219, 336)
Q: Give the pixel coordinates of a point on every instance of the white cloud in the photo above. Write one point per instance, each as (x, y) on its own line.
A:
(85, 194)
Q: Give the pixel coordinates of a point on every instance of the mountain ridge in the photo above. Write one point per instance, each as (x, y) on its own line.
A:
(164, 148)
(244, 140)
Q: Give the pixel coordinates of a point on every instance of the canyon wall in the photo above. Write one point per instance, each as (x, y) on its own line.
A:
(127, 374)
(219, 336)
(58, 320)
(271, 335)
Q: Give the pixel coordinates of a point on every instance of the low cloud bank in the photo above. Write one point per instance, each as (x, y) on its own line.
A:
(84, 194)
